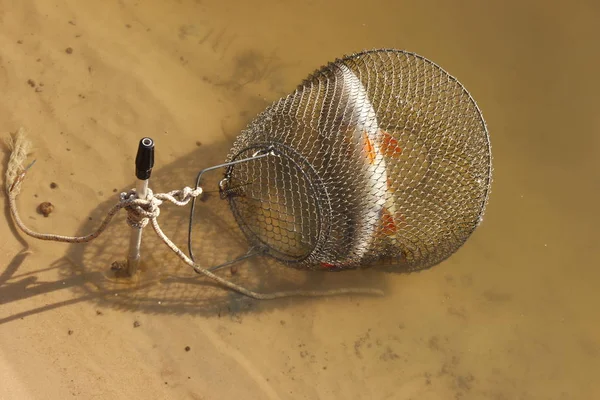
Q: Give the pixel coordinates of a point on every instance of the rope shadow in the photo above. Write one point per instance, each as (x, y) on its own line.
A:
(164, 284)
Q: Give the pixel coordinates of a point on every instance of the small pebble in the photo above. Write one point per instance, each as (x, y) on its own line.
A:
(31, 82)
(198, 143)
(45, 208)
(98, 312)
(69, 50)
(136, 324)
(70, 332)
(187, 348)
(53, 185)
(117, 266)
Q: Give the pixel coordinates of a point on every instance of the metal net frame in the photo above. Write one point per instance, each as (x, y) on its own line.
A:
(378, 158)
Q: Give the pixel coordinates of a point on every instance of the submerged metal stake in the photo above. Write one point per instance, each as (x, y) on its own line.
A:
(144, 161)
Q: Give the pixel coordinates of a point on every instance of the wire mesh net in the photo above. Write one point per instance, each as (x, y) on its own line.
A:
(379, 158)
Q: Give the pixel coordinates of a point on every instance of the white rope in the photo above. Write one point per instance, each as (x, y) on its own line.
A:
(139, 214)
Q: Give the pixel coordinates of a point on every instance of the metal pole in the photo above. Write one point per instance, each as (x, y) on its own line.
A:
(144, 161)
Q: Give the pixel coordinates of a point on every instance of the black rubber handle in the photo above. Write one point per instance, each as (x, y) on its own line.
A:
(144, 160)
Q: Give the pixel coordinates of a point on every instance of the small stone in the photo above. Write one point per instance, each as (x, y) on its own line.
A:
(69, 50)
(53, 185)
(136, 324)
(45, 208)
(187, 348)
(198, 143)
(70, 332)
(98, 312)
(31, 82)
(117, 266)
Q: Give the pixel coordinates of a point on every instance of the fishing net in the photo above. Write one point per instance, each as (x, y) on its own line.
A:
(379, 158)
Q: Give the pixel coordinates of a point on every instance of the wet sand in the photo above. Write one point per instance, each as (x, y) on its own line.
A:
(512, 315)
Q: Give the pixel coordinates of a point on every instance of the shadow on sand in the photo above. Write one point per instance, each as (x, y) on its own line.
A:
(164, 284)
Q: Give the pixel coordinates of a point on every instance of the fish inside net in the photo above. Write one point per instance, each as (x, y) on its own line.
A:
(379, 158)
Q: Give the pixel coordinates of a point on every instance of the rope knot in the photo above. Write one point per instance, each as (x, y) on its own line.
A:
(140, 211)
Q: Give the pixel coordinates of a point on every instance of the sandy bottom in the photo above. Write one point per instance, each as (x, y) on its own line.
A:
(513, 315)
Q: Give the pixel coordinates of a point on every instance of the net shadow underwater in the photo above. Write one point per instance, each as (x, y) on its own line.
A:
(164, 284)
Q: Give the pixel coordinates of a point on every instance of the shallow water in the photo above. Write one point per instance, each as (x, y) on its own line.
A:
(512, 315)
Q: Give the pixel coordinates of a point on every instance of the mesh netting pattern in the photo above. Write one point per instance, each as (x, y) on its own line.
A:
(379, 158)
